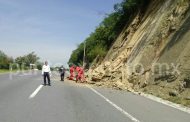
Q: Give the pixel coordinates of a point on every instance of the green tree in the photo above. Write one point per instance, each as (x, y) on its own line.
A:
(100, 41)
(5, 60)
(28, 59)
(31, 58)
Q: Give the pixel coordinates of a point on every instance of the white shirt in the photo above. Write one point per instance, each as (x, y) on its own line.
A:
(46, 68)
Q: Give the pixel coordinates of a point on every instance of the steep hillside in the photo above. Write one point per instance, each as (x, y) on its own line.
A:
(152, 54)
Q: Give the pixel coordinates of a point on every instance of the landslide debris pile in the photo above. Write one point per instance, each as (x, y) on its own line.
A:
(152, 53)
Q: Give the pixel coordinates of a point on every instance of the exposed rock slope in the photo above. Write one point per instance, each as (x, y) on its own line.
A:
(152, 54)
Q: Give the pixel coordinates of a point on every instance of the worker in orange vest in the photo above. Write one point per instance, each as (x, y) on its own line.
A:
(77, 69)
(80, 75)
(72, 69)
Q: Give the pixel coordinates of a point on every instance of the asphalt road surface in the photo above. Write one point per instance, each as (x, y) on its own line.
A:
(24, 99)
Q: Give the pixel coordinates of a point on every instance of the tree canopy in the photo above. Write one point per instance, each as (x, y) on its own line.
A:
(5, 60)
(100, 41)
(28, 59)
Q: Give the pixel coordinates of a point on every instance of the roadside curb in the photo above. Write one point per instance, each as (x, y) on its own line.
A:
(165, 102)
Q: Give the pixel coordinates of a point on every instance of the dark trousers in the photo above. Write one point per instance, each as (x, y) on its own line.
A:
(46, 75)
(62, 76)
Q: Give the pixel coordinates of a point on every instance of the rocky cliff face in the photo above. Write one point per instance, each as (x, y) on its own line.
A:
(152, 54)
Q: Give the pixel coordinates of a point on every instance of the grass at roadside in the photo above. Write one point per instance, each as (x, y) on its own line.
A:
(4, 71)
(180, 100)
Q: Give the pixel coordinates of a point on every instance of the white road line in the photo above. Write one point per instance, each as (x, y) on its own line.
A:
(114, 105)
(35, 92)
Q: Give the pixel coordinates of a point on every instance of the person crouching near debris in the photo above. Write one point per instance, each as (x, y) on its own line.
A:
(80, 75)
(72, 69)
(46, 72)
(77, 69)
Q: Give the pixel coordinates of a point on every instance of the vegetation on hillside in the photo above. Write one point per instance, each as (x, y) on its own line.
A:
(100, 41)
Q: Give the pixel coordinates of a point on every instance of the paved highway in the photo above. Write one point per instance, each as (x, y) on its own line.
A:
(24, 99)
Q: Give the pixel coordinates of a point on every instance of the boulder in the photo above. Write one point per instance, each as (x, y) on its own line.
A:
(173, 93)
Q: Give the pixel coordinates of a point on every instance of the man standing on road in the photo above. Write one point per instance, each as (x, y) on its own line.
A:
(46, 72)
(62, 73)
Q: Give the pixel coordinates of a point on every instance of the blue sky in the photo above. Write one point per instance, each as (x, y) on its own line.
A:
(51, 28)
